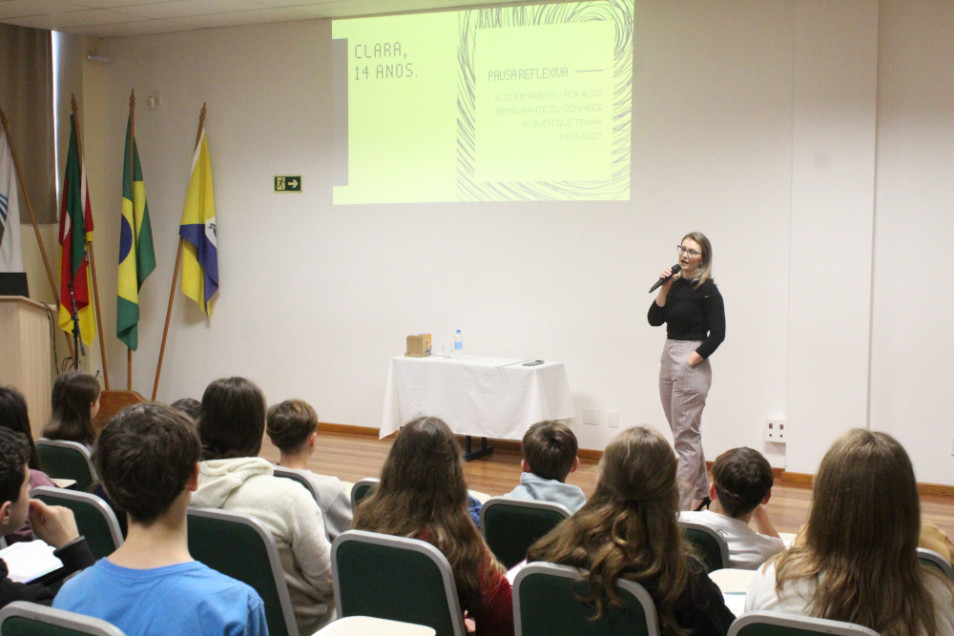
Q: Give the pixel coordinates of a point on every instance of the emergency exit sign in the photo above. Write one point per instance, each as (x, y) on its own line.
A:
(288, 183)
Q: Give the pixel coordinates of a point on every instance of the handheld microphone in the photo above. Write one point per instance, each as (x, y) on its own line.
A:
(662, 281)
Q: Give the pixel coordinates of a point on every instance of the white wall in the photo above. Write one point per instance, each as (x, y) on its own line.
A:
(753, 121)
(912, 345)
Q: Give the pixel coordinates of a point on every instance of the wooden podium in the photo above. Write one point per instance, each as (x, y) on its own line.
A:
(26, 354)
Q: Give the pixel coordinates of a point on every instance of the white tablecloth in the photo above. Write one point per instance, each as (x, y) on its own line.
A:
(479, 396)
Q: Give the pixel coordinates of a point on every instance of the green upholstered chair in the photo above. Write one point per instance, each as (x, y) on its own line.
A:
(361, 489)
(710, 544)
(932, 558)
(287, 473)
(237, 545)
(778, 624)
(22, 618)
(66, 460)
(546, 603)
(395, 578)
(511, 526)
(94, 518)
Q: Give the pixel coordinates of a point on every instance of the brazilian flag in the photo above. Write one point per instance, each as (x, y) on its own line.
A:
(136, 256)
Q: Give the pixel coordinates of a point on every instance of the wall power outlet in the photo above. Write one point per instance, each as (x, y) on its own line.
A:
(775, 431)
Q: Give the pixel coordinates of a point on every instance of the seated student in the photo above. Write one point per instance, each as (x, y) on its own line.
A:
(14, 416)
(148, 458)
(75, 403)
(859, 561)
(423, 495)
(741, 486)
(628, 530)
(190, 406)
(53, 524)
(293, 428)
(233, 477)
(549, 455)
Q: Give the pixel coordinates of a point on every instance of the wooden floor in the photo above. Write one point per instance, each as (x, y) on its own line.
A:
(352, 457)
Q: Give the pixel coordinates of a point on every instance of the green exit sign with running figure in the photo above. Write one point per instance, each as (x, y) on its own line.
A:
(288, 183)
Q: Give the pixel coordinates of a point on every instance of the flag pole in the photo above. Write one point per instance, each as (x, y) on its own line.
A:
(36, 227)
(89, 248)
(175, 276)
(129, 153)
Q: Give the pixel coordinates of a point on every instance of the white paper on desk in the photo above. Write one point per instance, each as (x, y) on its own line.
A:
(735, 602)
(29, 560)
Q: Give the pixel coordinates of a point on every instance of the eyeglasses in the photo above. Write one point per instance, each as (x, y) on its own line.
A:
(685, 250)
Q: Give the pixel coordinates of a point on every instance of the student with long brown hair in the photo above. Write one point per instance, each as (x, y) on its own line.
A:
(75, 402)
(423, 495)
(858, 562)
(628, 530)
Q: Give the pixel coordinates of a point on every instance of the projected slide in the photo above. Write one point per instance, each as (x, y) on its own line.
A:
(524, 103)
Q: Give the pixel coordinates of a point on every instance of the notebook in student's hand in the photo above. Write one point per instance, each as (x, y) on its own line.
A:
(29, 561)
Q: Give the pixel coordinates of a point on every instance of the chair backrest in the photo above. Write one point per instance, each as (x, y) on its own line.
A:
(66, 460)
(396, 578)
(361, 489)
(710, 544)
(546, 602)
(22, 618)
(778, 624)
(930, 557)
(511, 526)
(94, 518)
(237, 545)
(294, 475)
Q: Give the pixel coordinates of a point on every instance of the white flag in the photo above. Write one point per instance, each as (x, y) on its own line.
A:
(11, 256)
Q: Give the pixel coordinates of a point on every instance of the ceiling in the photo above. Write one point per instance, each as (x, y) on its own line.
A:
(117, 18)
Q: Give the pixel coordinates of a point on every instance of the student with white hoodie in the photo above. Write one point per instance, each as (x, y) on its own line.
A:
(233, 477)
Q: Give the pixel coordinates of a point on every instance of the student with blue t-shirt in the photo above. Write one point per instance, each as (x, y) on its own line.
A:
(147, 457)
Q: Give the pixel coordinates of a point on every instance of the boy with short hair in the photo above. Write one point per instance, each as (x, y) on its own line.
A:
(148, 459)
(53, 524)
(549, 455)
(741, 486)
(292, 426)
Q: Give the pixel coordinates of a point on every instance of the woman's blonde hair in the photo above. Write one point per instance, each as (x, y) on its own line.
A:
(628, 527)
(423, 494)
(861, 539)
(704, 271)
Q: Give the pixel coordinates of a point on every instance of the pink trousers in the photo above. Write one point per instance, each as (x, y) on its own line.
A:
(683, 391)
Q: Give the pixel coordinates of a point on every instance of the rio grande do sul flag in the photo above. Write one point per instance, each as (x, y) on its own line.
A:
(76, 229)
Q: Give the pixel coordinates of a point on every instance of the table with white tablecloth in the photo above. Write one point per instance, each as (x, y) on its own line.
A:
(480, 396)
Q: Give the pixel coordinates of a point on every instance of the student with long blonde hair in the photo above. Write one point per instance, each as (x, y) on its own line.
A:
(858, 562)
(423, 495)
(628, 530)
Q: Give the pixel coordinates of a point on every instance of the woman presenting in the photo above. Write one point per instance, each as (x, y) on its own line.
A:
(691, 306)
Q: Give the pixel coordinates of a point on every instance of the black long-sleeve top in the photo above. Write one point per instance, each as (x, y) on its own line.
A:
(692, 314)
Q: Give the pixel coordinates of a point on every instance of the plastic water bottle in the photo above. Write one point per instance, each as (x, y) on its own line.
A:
(458, 345)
